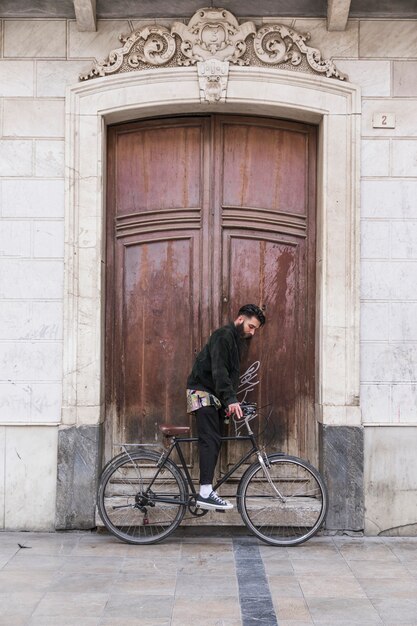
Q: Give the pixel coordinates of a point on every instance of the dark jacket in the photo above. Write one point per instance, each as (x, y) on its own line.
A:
(216, 368)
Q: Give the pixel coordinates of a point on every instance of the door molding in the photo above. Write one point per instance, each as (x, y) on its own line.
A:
(333, 105)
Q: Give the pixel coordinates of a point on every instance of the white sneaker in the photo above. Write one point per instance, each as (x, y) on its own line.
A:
(213, 502)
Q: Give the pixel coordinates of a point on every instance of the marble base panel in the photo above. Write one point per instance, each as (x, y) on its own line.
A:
(79, 463)
(342, 466)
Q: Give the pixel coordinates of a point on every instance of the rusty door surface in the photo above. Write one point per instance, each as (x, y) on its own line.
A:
(205, 214)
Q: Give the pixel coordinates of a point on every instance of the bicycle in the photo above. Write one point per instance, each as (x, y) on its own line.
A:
(143, 495)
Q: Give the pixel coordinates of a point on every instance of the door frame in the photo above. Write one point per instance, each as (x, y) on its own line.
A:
(332, 105)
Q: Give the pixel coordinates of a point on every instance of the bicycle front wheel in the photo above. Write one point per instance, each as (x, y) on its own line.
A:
(285, 502)
(140, 502)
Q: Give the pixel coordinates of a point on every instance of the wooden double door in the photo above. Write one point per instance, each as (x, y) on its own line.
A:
(204, 214)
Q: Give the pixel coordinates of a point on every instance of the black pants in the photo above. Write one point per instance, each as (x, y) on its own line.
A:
(209, 430)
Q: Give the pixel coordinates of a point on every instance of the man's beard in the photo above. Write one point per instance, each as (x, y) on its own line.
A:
(241, 332)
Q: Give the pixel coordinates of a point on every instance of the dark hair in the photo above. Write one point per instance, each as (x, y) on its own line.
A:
(251, 310)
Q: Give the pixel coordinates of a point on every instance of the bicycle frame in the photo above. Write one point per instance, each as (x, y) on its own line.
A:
(176, 445)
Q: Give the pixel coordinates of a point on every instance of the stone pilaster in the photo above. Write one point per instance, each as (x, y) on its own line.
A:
(79, 458)
(342, 465)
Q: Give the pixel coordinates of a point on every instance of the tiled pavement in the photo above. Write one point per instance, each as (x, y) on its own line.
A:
(205, 578)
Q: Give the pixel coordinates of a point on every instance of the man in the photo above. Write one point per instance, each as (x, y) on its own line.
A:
(212, 388)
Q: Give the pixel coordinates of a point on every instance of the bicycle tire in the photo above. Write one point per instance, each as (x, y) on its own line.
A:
(132, 512)
(289, 520)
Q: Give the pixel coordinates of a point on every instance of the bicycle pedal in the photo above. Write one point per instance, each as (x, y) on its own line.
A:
(220, 510)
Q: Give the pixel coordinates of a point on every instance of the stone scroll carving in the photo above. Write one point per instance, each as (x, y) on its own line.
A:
(212, 40)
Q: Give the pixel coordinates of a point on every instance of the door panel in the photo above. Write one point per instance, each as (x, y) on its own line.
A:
(206, 214)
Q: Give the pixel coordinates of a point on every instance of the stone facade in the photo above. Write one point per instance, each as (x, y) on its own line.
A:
(39, 59)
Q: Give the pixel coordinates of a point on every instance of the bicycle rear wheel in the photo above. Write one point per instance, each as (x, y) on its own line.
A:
(138, 501)
(287, 509)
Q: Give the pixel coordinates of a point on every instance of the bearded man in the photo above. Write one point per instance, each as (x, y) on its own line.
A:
(212, 390)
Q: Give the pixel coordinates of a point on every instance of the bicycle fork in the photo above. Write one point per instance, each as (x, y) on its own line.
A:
(261, 459)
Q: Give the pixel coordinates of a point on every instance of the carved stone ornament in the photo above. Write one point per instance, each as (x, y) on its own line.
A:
(212, 39)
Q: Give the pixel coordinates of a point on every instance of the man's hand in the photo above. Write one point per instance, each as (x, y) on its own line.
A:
(236, 410)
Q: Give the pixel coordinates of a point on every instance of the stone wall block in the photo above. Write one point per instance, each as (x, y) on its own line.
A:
(33, 118)
(15, 238)
(53, 77)
(48, 239)
(404, 403)
(30, 403)
(2, 475)
(376, 403)
(403, 322)
(374, 321)
(384, 280)
(35, 38)
(404, 240)
(45, 402)
(15, 320)
(394, 362)
(15, 157)
(32, 198)
(31, 360)
(390, 479)
(390, 38)
(404, 157)
(46, 320)
(49, 158)
(27, 279)
(16, 78)
(375, 239)
(403, 109)
(373, 77)
(405, 78)
(375, 157)
(389, 199)
(341, 460)
(79, 462)
(331, 44)
(15, 400)
(30, 478)
(84, 45)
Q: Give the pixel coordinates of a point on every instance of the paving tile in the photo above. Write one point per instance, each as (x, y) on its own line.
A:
(83, 582)
(23, 561)
(13, 620)
(291, 609)
(323, 567)
(203, 586)
(314, 550)
(44, 620)
(284, 586)
(255, 610)
(334, 610)
(397, 610)
(156, 565)
(19, 603)
(114, 621)
(123, 605)
(58, 603)
(12, 580)
(360, 550)
(98, 564)
(405, 550)
(188, 611)
(278, 568)
(145, 583)
(379, 569)
(389, 587)
(331, 587)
